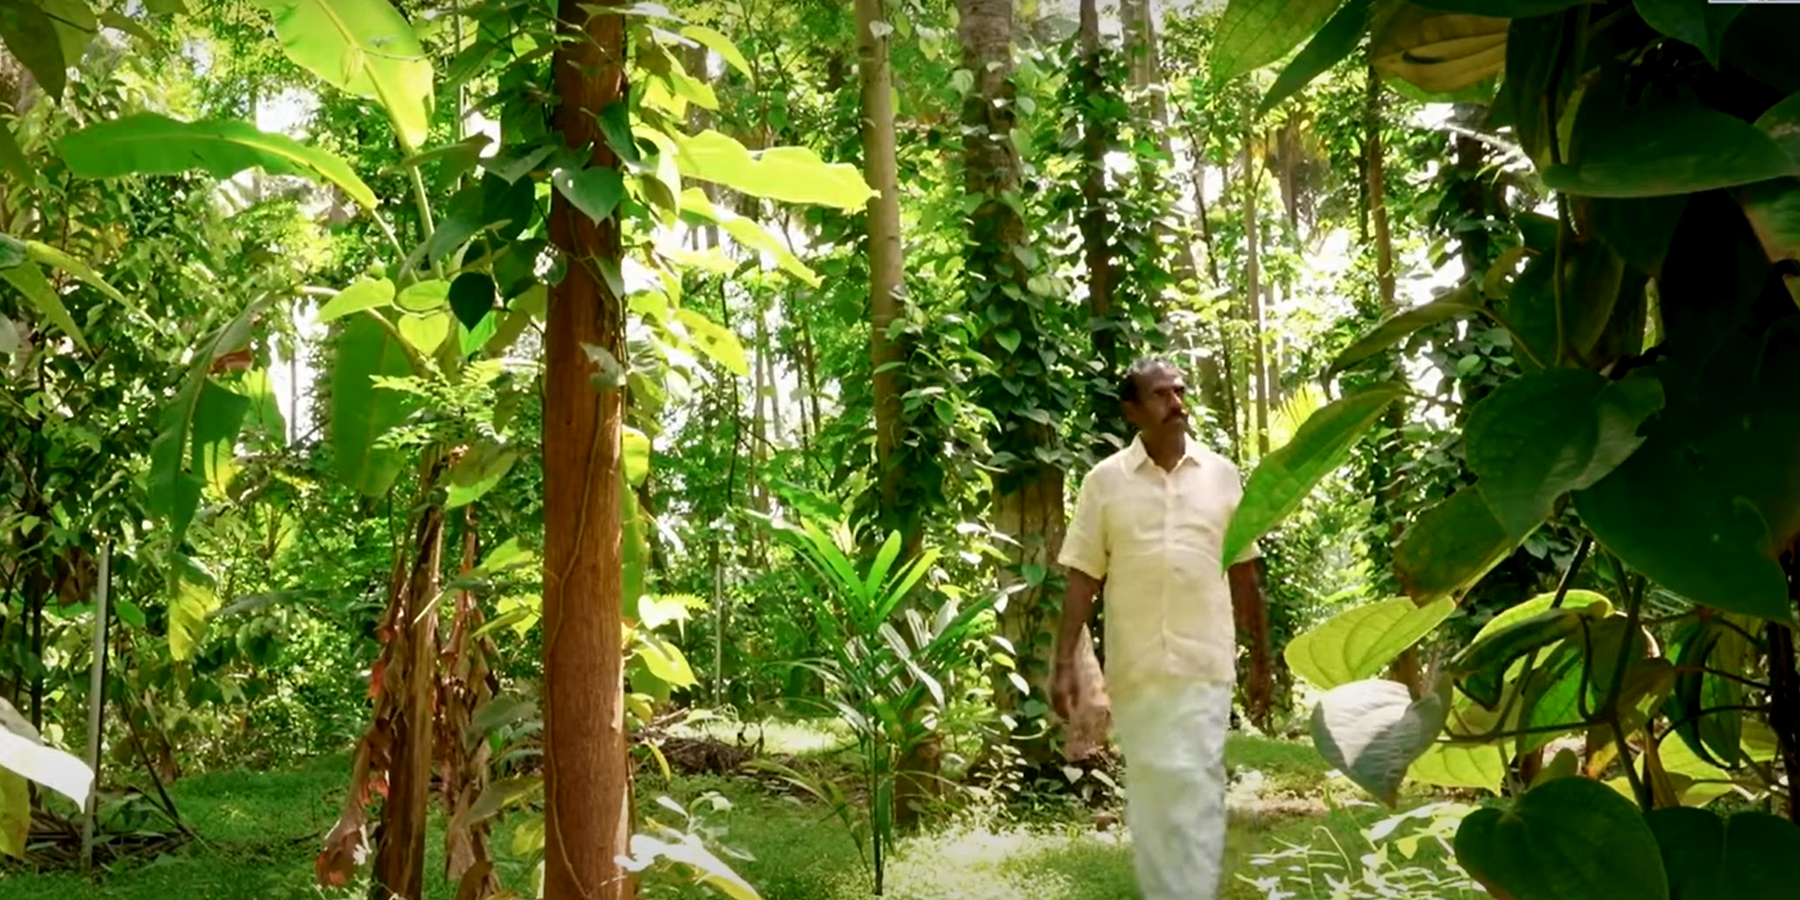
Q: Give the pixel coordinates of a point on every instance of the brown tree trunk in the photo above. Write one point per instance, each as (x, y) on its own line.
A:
(887, 262)
(1097, 248)
(1253, 292)
(586, 776)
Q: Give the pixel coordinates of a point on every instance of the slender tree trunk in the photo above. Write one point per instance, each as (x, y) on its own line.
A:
(1253, 292)
(1095, 237)
(887, 264)
(586, 772)
(1227, 373)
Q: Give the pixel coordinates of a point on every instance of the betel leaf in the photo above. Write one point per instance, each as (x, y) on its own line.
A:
(1282, 479)
(596, 191)
(1703, 708)
(1659, 514)
(1712, 858)
(22, 751)
(1447, 765)
(362, 412)
(1566, 839)
(1481, 668)
(1542, 435)
(1396, 328)
(1450, 546)
(1360, 642)
(1595, 605)
(477, 472)
(153, 144)
(1373, 730)
(1253, 33)
(1674, 147)
(696, 206)
(1335, 41)
(472, 298)
(1700, 24)
(425, 333)
(30, 35)
(715, 340)
(1437, 52)
(369, 293)
(365, 49)
(787, 174)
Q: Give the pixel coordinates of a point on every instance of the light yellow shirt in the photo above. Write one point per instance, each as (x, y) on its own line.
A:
(1155, 537)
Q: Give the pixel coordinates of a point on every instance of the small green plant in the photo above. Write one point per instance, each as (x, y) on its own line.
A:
(887, 657)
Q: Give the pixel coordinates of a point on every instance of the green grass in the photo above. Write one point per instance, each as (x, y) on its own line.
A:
(261, 830)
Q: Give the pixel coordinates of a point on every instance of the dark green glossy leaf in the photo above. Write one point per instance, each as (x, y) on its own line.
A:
(1761, 42)
(1396, 328)
(1662, 149)
(1254, 33)
(1736, 858)
(594, 191)
(1330, 46)
(1638, 229)
(1700, 24)
(1481, 669)
(30, 36)
(1566, 839)
(1698, 707)
(1540, 436)
(1451, 545)
(1373, 730)
(361, 412)
(1360, 642)
(472, 298)
(1658, 513)
(615, 127)
(1283, 478)
(153, 144)
(1533, 48)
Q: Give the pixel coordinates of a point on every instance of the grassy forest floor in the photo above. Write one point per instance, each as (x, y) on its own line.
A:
(259, 831)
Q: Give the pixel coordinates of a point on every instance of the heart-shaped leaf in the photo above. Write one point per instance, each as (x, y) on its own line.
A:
(1566, 839)
(1373, 730)
(1359, 642)
(1710, 858)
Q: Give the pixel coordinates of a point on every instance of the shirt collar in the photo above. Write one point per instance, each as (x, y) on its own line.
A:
(1138, 456)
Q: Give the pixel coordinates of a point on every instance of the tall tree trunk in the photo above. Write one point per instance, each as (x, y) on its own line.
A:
(586, 772)
(1028, 494)
(1095, 238)
(1253, 292)
(887, 262)
(1227, 392)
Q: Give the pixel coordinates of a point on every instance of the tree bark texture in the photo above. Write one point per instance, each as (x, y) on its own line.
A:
(1095, 235)
(887, 264)
(1253, 292)
(586, 774)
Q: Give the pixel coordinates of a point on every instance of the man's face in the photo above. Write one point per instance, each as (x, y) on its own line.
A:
(1161, 403)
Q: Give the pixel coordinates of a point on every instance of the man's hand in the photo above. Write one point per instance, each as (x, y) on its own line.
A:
(1064, 685)
(1252, 614)
(1078, 608)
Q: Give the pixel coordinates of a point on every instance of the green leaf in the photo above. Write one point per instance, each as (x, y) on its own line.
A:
(199, 425)
(1460, 766)
(720, 44)
(362, 413)
(595, 191)
(152, 144)
(787, 174)
(188, 612)
(665, 661)
(1596, 606)
(478, 471)
(748, 232)
(1700, 24)
(31, 36)
(425, 333)
(431, 295)
(716, 341)
(615, 127)
(1450, 546)
(1373, 730)
(1658, 512)
(1566, 839)
(1702, 707)
(1329, 47)
(635, 460)
(472, 298)
(1481, 668)
(369, 293)
(1282, 479)
(1638, 229)
(15, 814)
(12, 156)
(1542, 435)
(50, 256)
(1713, 858)
(1360, 642)
(363, 48)
(75, 25)
(22, 751)
(1253, 33)
(1396, 328)
(1436, 52)
(30, 281)
(1665, 148)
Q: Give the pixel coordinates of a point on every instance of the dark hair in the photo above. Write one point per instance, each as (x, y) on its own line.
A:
(1128, 383)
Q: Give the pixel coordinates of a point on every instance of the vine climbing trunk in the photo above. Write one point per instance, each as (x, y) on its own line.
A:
(1095, 240)
(586, 775)
(1027, 504)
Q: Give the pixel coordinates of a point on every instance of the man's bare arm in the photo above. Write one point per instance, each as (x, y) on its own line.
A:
(1077, 610)
(1251, 609)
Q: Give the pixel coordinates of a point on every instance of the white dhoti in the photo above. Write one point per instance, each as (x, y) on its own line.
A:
(1172, 736)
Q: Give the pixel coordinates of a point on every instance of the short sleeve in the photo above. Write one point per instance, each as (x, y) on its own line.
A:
(1084, 547)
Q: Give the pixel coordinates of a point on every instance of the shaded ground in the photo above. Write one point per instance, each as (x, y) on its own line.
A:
(259, 832)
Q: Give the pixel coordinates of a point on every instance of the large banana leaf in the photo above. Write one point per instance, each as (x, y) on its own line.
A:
(362, 47)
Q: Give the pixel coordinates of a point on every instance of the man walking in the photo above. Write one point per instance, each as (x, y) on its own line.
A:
(1149, 522)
